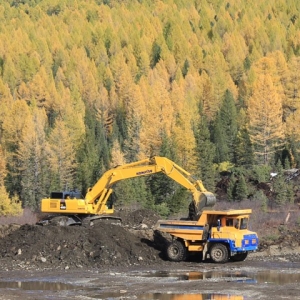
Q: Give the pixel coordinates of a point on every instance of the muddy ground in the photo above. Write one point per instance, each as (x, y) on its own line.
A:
(110, 261)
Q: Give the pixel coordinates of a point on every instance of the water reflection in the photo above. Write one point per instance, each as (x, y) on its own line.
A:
(271, 276)
(191, 297)
(36, 285)
(277, 277)
(165, 296)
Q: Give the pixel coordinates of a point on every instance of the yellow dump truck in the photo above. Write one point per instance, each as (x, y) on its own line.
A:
(218, 235)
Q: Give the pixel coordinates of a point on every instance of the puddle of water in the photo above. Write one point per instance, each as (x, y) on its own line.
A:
(36, 285)
(164, 296)
(277, 277)
(269, 277)
(190, 297)
(246, 277)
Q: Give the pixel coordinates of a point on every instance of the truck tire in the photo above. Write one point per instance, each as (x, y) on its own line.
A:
(176, 251)
(219, 253)
(239, 257)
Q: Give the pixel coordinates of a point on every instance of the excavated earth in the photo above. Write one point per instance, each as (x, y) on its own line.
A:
(112, 261)
(106, 244)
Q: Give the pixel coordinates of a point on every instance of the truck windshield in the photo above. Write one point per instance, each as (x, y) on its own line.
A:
(238, 223)
(234, 222)
(244, 223)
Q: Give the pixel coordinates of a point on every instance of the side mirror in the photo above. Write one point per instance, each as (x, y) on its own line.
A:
(219, 224)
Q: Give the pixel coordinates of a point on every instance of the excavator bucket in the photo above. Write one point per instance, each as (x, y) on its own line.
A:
(202, 200)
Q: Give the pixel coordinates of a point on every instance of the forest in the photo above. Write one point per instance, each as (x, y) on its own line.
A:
(89, 85)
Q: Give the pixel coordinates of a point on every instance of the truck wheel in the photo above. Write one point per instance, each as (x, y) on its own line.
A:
(239, 256)
(219, 253)
(176, 251)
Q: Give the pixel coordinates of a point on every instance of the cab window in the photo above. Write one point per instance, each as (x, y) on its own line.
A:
(232, 222)
(229, 222)
(244, 223)
(237, 223)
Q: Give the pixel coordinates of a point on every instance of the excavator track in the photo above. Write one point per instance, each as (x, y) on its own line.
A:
(72, 220)
(107, 219)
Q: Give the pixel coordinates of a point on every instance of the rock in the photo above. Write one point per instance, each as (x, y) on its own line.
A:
(143, 226)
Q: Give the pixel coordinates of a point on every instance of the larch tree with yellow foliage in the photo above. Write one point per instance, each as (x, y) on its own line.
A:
(32, 155)
(8, 206)
(62, 157)
(265, 119)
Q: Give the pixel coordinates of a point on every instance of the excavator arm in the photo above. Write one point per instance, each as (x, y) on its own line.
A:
(98, 195)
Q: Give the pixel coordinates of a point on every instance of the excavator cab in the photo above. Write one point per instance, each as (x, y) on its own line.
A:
(66, 195)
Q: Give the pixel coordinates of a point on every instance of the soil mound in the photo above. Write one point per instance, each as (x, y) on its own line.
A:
(103, 245)
(141, 218)
(107, 245)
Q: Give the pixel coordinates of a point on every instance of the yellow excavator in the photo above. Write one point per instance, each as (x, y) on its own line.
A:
(68, 208)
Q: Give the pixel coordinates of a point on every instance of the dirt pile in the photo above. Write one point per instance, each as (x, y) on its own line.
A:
(108, 245)
(104, 245)
(7, 229)
(289, 238)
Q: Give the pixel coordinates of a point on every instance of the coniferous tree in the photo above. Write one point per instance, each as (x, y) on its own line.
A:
(33, 157)
(106, 65)
(225, 129)
(265, 117)
(290, 194)
(134, 111)
(219, 140)
(262, 198)
(241, 188)
(93, 156)
(8, 205)
(161, 186)
(15, 126)
(231, 188)
(228, 117)
(205, 153)
(280, 186)
(243, 148)
(62, 158)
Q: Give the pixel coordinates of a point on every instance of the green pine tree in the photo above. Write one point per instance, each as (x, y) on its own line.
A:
(219, 140)
(241, 188)
(93, 156)
(290, 194)
(262, 198)
(228, 115)
(205, 154)
(225, 129)
(162, 187)
(231, 188)
(280, 186)
(243, 149)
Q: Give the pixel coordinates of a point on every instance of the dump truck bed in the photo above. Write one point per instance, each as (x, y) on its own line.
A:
(190, 230)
